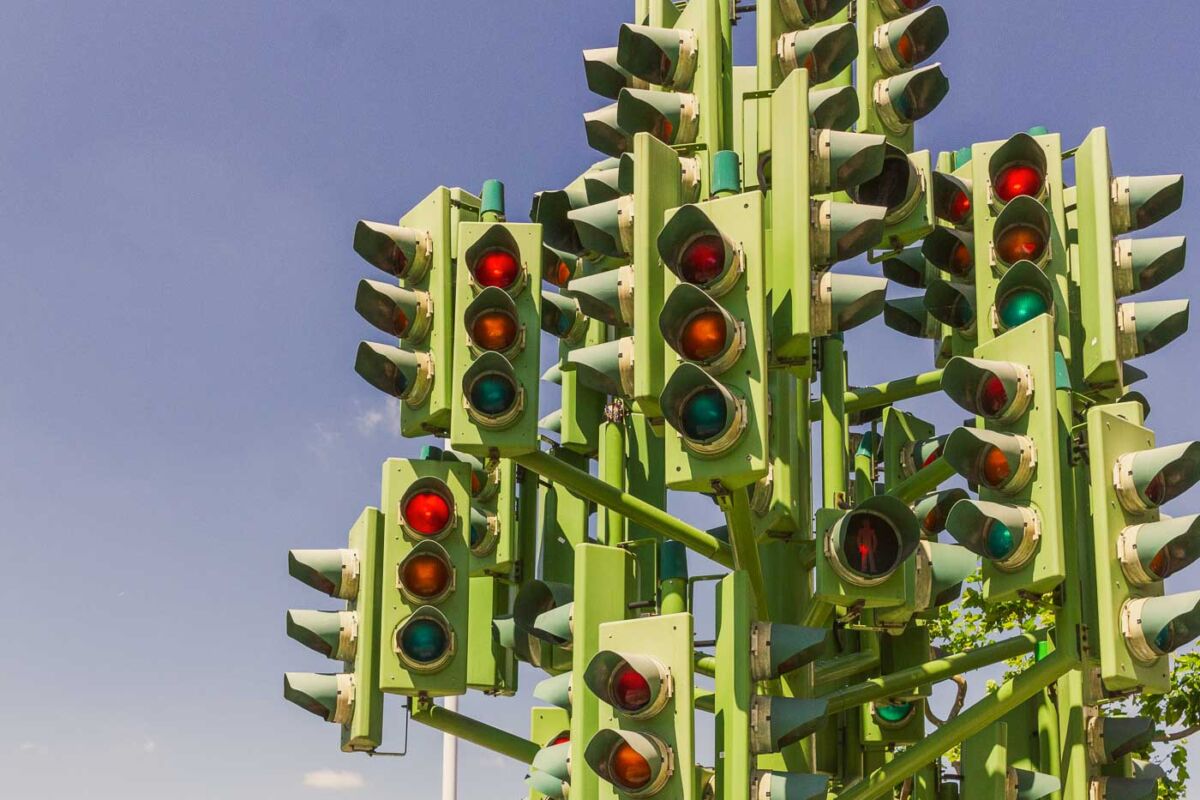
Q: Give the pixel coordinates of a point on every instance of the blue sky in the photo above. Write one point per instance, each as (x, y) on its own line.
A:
(180, 184)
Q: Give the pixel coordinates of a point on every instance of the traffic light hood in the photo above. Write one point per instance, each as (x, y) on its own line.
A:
(334, 572)
(908, 97)
(606, 367)
(401, 373)
(604, 75)
(606, 296)
(1141, 201)
(1145, 327)
(908, 316)
(330, 697)
(604, 133)
(330, 633)
(670, 117)
(605, 228)
(660, 56)
(952, 304)
(906, 268)
(776, 722)
(402, 252)
(825, 51)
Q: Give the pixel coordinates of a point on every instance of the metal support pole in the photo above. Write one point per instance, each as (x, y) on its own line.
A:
(833, 671)
(1011, 694)
(833, 425)
(736, 505)
(473, 731)
(924, 481)
(632, 508)
(884, 394)
(450, 756)
(705, 664)
(931, 672)
(612, 468)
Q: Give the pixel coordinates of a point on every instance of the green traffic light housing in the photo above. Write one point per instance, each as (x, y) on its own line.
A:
(1023, 294)
(333, 634)
(605, 228)
(1153, 551)
(1109, 739)
(908, 40)
(534, 599)
(637, 686)
(708, 416)
(777, 648)
(908, 316)
(776, 722)
(604, 183)
(872, 540)
(400, 373)
(1022, 233)
(559, 267)
(835, 108)
(952, 304)
(903, 99)
(551, 770)
(805, 13)
(550, 209)
(555, 626)
(604, 75)
(1003, 462)
(1145, 327)
(1158, 626)
(1142, 264)
(403, 313)
(604, 132)
(425, 642)
(670, 117)
(562, 317)
(951, 251)
(330, 697)
(492, 395)
(1016, 169)
(898, 186)
(946, 567)
(606, 296)
(664, 57)
(1006, 535)
(701, 330)
(637, 764)
(1141, 201)
(698, 252)
(916, 455)
(906, 267)
(842, 160)
(933, 509)
(334, 572)
(844, 230)
(788, 785)
(825, 51)
(556, 690)
(491, 322)
(605, 367)
(843, 302)
(1126, 788)
(398, 251)
(1147, 479)
(1000, 391)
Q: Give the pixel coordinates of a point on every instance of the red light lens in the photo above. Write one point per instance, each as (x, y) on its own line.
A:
(993, 397)
(703, 336)
(426, 576)
(631, 690)
(427, 512)
(629, 767)
(1156, 490)
(932, 457)
(962, 260)
(1018, 179)
(996, 469)
(905, 49)
(494, 330)
(960, 207)
(703, 259)
(560, 275)
(496, 268)
(1018, 242)
(561, 738)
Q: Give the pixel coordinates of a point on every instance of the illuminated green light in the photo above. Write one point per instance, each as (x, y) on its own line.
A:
(704, 415)
(894, 713)
(424, 640)
(1000, 541)
(1020, 306)
(492, 394)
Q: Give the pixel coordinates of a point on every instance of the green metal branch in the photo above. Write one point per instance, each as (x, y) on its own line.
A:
(705, 664)
(884, 394)
(632, 508)
(915, 757)
(472, 730)
(740, 525)
(924, 481)
(931, 672)
(834, 670)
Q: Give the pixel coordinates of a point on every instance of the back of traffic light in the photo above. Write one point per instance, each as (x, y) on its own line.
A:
(426, 577)
(351, 699)
(1110, 269)
(419, 253)
(1013, 457)
(1136, 549)
(496, 349)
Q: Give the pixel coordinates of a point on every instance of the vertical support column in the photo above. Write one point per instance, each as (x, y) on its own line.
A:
(612, 471)
(833, 422)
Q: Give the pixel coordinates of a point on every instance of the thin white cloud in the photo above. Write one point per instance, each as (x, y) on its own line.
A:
(149, 746)
(379, 418)
(333, 779)
(33, 748)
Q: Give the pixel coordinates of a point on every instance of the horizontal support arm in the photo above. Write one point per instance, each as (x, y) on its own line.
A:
(884, 394)
(923, 481)
(705, 664)
(632, 508)
(931, 672)
(840, 668)
(472, 730)
(915, 757)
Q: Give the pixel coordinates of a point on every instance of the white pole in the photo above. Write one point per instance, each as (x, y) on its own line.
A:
(450, 757)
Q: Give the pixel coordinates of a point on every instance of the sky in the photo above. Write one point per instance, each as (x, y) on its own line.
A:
(180, 186)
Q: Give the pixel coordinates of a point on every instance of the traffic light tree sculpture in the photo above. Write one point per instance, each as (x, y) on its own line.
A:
(689, 293)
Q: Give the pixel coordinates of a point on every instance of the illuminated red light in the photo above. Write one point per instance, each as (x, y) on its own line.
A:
(703, 259)
(496, 268)
(960, 207)
(993, 398)
(631, 690)
(427, 512)
(1017, 180)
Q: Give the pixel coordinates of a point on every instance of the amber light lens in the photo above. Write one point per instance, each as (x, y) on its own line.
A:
(1018, 242)
(427, 512)
(496, 268)
(559, 275)
(629, 767)
(426, 576)
(494, 330)
(962, 260)
(1017, 180)
(996, 469)
(703, 336)
(905, 49)
(934, 521)
(703, 259)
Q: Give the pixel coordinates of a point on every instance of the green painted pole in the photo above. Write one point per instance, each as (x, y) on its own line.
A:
(736, 505)
(1011, 694)
(705, 664)
(474, 731)
(930, 672)
(612, 468)
(527, 523)
(632, 508)
(673, 577)
(924, 481)
(833, 422)
(866, 398)
(836, 670)
(705, 700)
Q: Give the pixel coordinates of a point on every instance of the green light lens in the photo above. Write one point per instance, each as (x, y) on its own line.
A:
(1000, 541)
(1020, 306)
(424, 641)
(894, 713)
(493, 394)
(704, 415)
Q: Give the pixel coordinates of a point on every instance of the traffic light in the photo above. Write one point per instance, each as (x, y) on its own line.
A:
(1020, 238)
(894, 37)
(689, 62)
(986, 771)
(419, 253)
(605, 76)
(550, 773)
(901, 187)
(862, 553)
(643, 679)
(352, 698)
(1109, 270)
(825, 51)
(1136, 548)
(1013, 458)
(582, 408)
(714, 396)
(426, 571)
(1109, 740)
(496, 350)
(953, 305)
